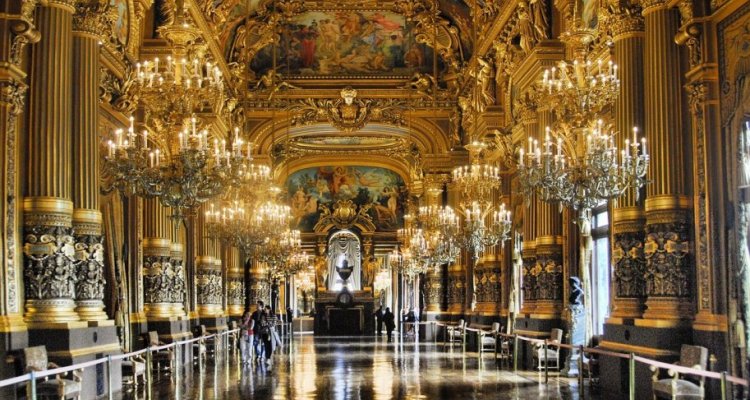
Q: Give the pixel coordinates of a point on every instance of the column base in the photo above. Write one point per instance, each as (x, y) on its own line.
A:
(668, 309)
(210, 310)
(627, 308)
(158, 310)
(51, 310)
(91, 310)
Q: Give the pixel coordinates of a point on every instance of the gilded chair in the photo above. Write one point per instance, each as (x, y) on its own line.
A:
(678, 387)
(456, 333)
(69, 387)
(162, 359)
(488, 339)
(132, 369)
(552, 359)
(200, 349)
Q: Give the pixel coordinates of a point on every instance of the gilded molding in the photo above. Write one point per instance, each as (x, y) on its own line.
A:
(668, 261)
(629, 264)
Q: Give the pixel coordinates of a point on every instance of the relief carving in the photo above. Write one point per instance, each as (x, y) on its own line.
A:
(667, 250)
(236, 291)
(209, 286)
(89, 256)
(629, 265)
(49, 270)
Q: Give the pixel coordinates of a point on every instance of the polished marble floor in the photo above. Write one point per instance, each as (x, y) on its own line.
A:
(359, 368)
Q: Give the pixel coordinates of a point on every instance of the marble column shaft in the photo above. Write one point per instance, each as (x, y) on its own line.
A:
(49, 268)
(628, 219)
(668, 268)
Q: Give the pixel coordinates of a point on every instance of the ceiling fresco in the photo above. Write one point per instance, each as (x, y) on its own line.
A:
(345, 43)
(381, 189)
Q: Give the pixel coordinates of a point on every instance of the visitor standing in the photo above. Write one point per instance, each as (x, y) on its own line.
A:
(257, 341)
(379, 320)
(390, 322)
(247, 341)
(268, 334)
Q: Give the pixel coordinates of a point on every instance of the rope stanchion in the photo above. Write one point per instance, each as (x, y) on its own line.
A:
(109, 377)
(631, 376)
(32, 376)
(515, 353)
(580, 371)
(546, 363)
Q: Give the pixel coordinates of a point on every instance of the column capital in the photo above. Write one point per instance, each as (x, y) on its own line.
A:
(627, 22)
(650, 6)
(94, 18)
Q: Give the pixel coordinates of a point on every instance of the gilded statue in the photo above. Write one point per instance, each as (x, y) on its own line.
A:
(531, 31)
(371, 265)
(423, 84)
(484, 78)
(272, 82)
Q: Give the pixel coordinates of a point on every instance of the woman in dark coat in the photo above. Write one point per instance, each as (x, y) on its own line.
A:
(390, 323)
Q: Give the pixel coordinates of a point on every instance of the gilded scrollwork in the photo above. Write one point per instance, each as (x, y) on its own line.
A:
(548, 274)
(530, 274)
(348, 113)
(667, 251)
(433, 289)
(49, 270)
(456, 289)
(96, 18)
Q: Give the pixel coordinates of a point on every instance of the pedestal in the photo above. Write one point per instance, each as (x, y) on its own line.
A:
(576, 322)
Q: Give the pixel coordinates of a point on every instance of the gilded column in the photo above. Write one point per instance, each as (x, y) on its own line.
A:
(177, 286)
(88, 24)
(667, 244)
(207, 274)
(158, 270)
(628, 219)
(530, 272)
(16, 30)
(259, 288)
(434, 281)
(549, 243)
(457, 274)
(235, 285)
(49, 263)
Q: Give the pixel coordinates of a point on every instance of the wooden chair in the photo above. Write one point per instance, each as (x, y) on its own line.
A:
(162, 359)
(488, 339)
(553, 351)
(35, 359)
(132, 369)
(682, 388)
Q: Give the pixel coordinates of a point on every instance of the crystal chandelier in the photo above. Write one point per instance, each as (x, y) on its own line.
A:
(187, 174)
(577, 91)
(475, 234)
(477, 183)
(247, 227)
(599, 171)
(440, 225)
(306, 280)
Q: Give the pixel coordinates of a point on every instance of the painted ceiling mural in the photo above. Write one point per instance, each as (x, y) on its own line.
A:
(344, 43)
(383, 189)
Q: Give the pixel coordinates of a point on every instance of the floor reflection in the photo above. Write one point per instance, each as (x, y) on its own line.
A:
(357, 368)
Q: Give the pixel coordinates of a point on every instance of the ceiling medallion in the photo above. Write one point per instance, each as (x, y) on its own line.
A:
(348, 113)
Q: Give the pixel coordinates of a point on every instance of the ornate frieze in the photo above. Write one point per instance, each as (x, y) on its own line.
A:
(629, 264)
(89, 256)
(530, 274)
(209, 286)
(548, 277)
(235, 291)
(456, 289)
(667, 252)
(158, 279)
(49, 271)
